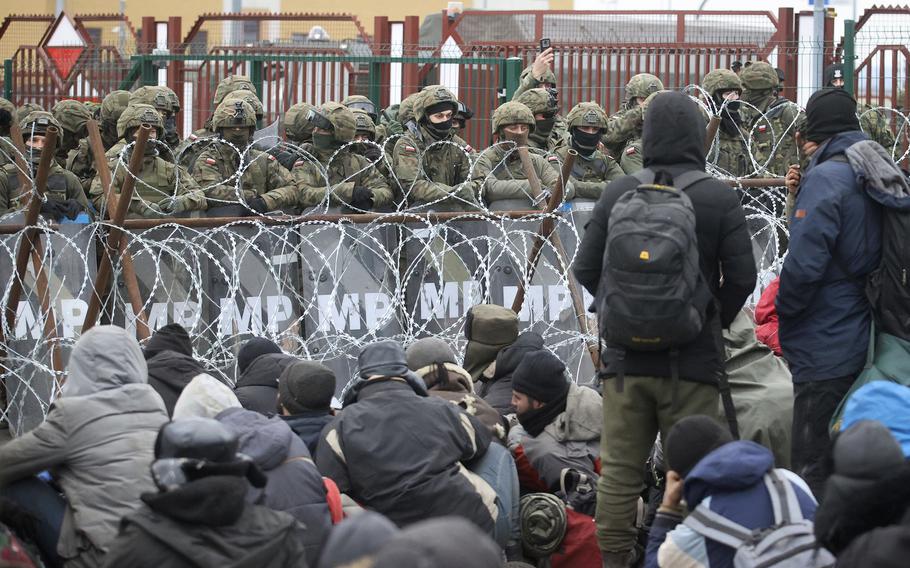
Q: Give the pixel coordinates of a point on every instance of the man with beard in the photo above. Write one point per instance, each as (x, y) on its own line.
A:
(347, 177)
(162, 188)
(65, 198)
(429, 161)
(548, 134)
(587, 124)
(729, 154)
(263, 184)
(498, 173)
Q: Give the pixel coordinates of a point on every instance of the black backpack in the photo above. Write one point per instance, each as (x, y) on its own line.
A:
(652, 295)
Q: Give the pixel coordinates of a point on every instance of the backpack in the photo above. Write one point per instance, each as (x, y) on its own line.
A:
(652, 295)
(789, 543)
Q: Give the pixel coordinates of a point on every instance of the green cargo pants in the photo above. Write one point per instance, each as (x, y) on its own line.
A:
(632, 419)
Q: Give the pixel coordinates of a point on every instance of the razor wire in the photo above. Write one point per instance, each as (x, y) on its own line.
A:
(323, 289)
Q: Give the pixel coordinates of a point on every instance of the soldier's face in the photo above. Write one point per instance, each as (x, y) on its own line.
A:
(362, 137)
(730, 95)
(36, 142)
(640, 100)
(152, 135)
(589, 129)
(323, 131)
(837, 82)
(440, 117)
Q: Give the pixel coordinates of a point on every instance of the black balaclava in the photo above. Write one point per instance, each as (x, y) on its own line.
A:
(584, 142)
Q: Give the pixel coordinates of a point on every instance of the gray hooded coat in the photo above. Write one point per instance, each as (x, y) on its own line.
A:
(97, 440)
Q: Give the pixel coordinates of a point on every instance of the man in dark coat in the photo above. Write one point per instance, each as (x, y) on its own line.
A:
(199, 516)
(400, 452)
(835, 241)
(169, 357)
(673, 144)
(305, 391)
(496, 389)
(257, 386)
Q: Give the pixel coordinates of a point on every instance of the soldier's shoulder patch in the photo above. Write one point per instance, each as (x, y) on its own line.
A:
(193, 137)
(272, 158)
(762, 128)
(210, 161)
(468, 147)
(631, 150)
(409, 148)
(299, 163)
(552, 158)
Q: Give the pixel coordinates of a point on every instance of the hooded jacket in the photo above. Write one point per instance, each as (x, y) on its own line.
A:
(835, 241)
(204, 397)
(674, 135)
(572, 440)
(457, 387)
(730, 481)
(97, 439)
(294, 484)
(496, 381)
(169, 373)
(257, 387)
(402, 454)
(207, 522)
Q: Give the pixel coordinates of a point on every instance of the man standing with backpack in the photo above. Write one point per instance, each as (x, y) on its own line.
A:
(835, 242)
(654, 264)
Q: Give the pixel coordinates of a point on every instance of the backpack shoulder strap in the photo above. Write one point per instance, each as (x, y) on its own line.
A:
(783, 498)
(644, 176)
(689, 179)
(718, 528)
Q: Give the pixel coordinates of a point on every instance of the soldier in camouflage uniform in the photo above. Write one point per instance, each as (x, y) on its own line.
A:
(593, 169)
(537, 75)
(93, 108)
(7, 115)
(162, 188)
(365, 131)
(461, 118)
(547, 134)
(389, 119)
(359, 102)
(875, 123)
(769, 119)
(25, 110)
(625, 126)
(65, 198)
(264, 185)
(352, 181)
(298, 132)
(729, 153)
(430, 162)
(188, 151)
(72, 117)
(162, 98)
(81, 161)
(630, 159)
(498, 173)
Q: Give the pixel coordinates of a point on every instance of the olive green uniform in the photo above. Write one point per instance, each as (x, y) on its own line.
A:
(346, 171)
(590, 174)
(216, 168)
(499, 175)
(158, 180)
(61, 186)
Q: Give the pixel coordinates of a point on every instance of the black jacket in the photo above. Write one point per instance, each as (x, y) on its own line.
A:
(497, 391)
(673, 141)
(207, 523)
(401, 454)
(308, 426)
(257, 387)
(169, 373)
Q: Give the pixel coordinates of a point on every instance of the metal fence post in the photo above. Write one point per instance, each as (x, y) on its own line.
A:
(149, 71)
(374, 93)
(850, 56)
(8, 80)
(510, 76)
(256, 65)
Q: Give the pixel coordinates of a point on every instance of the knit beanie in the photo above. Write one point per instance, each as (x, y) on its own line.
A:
(829, 112)
(306, 386)
(489, 329)
(428, 351)
(541, 376)
(172, 337)
(691, 439)
(254, 348)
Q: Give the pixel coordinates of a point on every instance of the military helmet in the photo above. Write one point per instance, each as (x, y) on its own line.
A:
(435, 96)
(642, 85)
(230, 84)
(759, 76)
(173, 99)
(25, 110)
(137, 114)
(7, 106)
(832, 72)
(364, 123)
(360, 102)
(249, 97)
(406, 108)
(548, 77)
(113, 105)
(651, 97)
(92, 107)
(342, 119)
(234, 113)
(721, 80)
(151, 95)
(513, 112)
(464, 112)
(587, 114)
(72, 115)
(296, 126)
(38, 120)
(540, 101)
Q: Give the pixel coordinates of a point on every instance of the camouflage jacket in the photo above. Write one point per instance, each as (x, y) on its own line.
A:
(346, 171)
(428, 171)
(622, 128)
(770, 135)
(877, 126)
(557, 140)
(730, 154)
(498, 175)
(157, 180)
(589, 174)
(61, 185)
(630, 160)
(82, 163)
(216, 171)
(188, 151)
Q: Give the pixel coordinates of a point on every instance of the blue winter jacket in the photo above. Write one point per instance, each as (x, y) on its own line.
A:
(835, 241)
(730, 481)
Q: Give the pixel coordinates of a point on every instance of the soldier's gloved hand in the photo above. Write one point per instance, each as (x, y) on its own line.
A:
(362, 198)
(71, 208)
(171, 205)
(372, 153)
(258, 204)
(467, 194)
(53, 209)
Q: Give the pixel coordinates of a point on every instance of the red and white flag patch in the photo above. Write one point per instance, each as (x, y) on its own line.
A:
(630, 150)
(210, 161)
